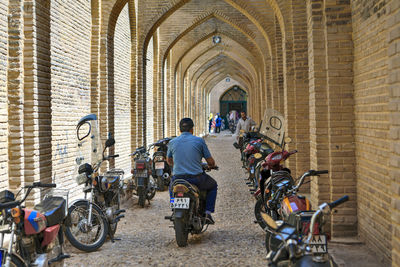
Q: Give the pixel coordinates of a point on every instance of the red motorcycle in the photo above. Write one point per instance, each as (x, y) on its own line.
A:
(273, 175)
(36, 235)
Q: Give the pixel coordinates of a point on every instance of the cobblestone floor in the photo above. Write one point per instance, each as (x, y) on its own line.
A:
(148, 240)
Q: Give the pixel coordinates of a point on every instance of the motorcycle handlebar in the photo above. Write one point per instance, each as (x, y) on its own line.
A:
(39, 184)
(338, 202)
(9, 205)
(111, 157)
(312, 172)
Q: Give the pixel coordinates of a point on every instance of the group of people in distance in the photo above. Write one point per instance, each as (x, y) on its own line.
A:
(217, 122)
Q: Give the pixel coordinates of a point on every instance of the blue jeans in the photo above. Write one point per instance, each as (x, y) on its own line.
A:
(205, 183)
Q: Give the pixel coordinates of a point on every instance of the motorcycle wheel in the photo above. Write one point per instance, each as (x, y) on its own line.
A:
(181, 232)
(151, 191)
(141, 192)
(160, 183)
(15, 261)
(115, 202)
(79, 234)
(260, 208)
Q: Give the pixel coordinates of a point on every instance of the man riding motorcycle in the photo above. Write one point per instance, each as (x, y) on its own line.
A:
(185, 153)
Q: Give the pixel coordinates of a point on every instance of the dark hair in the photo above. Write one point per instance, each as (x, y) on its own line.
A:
(186, 124)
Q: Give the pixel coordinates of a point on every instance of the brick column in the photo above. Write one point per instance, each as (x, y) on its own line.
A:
(289, 98)
(319, 146)
(94, 58)
(393, 25)
(339, 47)
(302, 131)
(134, 84)
(15, 94)
(37, 93)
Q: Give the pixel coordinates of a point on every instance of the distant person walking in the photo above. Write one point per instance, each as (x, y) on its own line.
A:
(218, 122)
(210, 120)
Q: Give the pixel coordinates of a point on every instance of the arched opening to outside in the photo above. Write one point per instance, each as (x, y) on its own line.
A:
(233, 99)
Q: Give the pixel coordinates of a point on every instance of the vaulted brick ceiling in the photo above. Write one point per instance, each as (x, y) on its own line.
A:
(246, 28)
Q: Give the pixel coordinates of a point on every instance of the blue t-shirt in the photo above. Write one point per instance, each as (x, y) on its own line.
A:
(187, 152)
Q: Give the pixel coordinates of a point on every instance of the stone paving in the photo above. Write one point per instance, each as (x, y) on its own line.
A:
(148, 240)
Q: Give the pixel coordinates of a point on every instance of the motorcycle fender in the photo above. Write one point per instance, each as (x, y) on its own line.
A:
(159, 172)
(87, 203)
(180, 213)
(141, 181)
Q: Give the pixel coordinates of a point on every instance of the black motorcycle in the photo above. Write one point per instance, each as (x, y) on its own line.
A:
(161, 171)
(143, 184)
(188, 209)
(98, 214)
(295, 250)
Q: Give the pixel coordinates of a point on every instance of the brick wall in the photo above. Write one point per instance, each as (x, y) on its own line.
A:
(3, 95)
(70, 74)
(393, 26)
(371, 96)
(122, 91)
(218, 90)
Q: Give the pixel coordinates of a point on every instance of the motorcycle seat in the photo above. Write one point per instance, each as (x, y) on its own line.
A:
(53, 208)
(187, 184)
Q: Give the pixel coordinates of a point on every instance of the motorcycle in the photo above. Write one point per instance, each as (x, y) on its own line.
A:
(273, 176)
(292, 208)
(297, 250)
(160, 168)
(255, 152)
(188, 209)
(36, 235)
(144, 185)
(97, 215)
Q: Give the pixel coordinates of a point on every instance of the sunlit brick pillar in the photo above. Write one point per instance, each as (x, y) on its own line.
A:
(339, 58)
(94, 57)
(289, 98)
(15, 94)
(394, 106)
(157, 91)
(319, 145)
(37, 92)
(279, 67)
(302, 131)
(134, 86)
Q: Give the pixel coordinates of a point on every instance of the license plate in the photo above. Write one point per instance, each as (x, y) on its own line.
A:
(180, 203)
(141, 173)
(318, 244)
(159, 165)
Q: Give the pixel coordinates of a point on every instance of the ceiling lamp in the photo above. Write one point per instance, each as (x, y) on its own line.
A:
(216, 39)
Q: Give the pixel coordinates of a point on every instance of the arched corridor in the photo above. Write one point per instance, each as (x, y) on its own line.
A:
(330, 66)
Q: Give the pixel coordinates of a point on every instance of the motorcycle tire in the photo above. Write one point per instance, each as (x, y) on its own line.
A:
(115, 202)
(181, 232)
(160, 183)
(98, 219)
(260, 207)
(141, 192)
(151, 191)
(15, 261)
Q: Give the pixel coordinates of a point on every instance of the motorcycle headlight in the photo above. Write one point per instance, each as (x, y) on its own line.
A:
(104, 184)
(81, 178)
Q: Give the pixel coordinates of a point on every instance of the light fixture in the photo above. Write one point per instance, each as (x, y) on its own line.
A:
(216, 39)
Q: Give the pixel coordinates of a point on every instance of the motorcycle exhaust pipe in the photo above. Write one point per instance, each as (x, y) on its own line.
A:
(165, 175)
